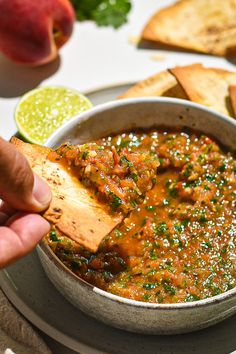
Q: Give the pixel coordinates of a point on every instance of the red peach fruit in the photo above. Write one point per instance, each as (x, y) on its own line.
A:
(32, 31)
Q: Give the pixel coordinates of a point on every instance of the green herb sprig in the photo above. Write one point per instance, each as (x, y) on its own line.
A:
(104, 12)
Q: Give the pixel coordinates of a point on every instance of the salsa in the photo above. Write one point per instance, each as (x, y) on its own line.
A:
(118, 174)
(178, 192)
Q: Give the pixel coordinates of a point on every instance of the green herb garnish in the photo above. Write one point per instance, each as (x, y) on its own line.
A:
(134, 177)
(116, 202)
(53, 236)
(161, 228)
(125, 161)
(84, 154)
(150, 207)
(169, 288)
(149, 286)
(103, 12)
(191, 298)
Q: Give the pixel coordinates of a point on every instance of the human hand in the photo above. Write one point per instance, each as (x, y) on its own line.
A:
(22, 195)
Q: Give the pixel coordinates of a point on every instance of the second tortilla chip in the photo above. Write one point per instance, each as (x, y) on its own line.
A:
(206, 26)
(160, 84)
(207, 86)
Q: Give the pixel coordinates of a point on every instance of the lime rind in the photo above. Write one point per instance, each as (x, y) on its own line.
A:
(43, 110)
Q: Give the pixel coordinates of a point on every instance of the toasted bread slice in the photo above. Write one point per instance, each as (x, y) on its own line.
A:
(72, 210)
(206, 26)
(207, 86)
(160, 84)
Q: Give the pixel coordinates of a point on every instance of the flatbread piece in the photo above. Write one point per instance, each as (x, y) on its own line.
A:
(207, 86)
(160, 84)
(72, 210)
(206, 26)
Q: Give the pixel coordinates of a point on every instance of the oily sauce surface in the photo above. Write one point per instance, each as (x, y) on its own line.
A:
(177, 243)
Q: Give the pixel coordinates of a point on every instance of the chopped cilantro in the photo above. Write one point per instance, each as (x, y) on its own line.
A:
(206, 245)
(222, 168)
(161, 228)
(149, 286)
(171, 186)
(154, 180)
(156, 244)
(53, 236)
(216, 291)
(146, 297)
(76, 265)
(209, 177)
(153, 255)
(192, 297)
(206, 188)
(201, 158)
(222, 182)
(84, 154)
(150, 207)
(133, 203)
(134, 177)
(116, 201)
(144, 221)
(179, 227)
(165, 202)
(169, 288)
(118, 233)
(188, 170)
(125, 161)
(203, 218)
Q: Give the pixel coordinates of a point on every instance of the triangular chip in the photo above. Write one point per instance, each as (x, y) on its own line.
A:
(207, 86)
(206, 26)
(72, 210)
(160, 84)
(232, 95)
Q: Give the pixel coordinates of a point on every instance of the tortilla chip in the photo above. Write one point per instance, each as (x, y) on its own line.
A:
(161, 84)
(206, 26)
(207, 86)
(72, 210)
(232, 95)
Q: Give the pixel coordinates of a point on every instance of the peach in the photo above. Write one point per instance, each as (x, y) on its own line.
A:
(32, 31)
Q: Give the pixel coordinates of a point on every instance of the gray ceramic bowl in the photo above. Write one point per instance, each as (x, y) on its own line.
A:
(123, 313)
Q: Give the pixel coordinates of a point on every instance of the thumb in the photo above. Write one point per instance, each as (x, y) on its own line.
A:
(19, 187)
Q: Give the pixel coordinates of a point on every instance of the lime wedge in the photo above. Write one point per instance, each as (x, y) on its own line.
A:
(41, 111)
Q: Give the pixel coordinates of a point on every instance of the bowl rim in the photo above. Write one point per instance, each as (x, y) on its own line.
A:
(81, 117)
(227, 295)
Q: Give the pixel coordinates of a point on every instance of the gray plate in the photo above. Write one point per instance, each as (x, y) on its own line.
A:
(28, 288)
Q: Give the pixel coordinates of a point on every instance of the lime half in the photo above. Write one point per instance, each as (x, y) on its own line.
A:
(41, 111)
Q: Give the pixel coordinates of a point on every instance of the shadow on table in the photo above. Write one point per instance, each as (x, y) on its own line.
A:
(16, 79)
(152, 45)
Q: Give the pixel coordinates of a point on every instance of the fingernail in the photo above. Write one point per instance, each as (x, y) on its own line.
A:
(41, 192)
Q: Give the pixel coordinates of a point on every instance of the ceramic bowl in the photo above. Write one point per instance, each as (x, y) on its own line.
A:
(116, 311)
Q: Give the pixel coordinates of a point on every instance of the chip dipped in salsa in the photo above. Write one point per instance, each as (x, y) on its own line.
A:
(177, 190)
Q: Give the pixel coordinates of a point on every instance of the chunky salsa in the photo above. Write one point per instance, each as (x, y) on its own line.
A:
(178, 192)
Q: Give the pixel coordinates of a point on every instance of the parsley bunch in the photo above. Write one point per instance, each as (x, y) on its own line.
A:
(103, 12)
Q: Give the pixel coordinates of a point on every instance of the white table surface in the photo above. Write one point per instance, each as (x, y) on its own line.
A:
(94, 57)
